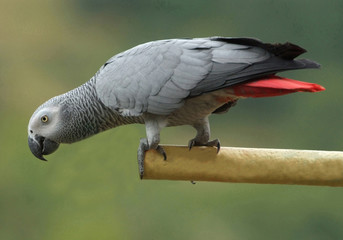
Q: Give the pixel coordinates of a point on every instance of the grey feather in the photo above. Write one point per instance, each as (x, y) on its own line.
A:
(157, 77)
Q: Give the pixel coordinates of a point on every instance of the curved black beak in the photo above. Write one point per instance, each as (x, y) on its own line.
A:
(40, 145)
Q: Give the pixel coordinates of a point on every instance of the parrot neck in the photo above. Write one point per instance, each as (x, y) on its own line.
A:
(87, 115)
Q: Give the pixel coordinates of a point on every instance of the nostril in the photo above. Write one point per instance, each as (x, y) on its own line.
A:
(31, 131)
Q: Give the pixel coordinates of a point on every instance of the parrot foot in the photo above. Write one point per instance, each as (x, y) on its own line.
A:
(143, 147)
(213, 143)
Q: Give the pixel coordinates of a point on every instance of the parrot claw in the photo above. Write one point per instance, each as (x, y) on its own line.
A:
(160, 150)
(191, 144)
(213, 143)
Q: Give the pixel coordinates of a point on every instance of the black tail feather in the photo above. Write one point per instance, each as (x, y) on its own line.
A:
(286, 50)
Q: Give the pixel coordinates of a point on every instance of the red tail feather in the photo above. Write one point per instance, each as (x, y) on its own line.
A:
(274, 86)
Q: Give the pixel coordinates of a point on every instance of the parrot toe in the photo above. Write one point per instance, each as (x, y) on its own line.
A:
(213, 143)
(160, 150)
(143, 147)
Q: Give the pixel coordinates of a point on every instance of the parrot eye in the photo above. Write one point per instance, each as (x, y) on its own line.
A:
(44, 119)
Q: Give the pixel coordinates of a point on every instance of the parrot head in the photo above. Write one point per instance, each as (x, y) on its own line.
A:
(43, 130)
(66, 118)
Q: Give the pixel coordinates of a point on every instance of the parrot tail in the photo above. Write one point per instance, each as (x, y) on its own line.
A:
(272, 85)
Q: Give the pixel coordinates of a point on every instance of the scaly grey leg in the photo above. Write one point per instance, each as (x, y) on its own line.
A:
(151, 142)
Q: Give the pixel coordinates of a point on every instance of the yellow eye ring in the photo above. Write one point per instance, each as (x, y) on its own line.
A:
(44, 118)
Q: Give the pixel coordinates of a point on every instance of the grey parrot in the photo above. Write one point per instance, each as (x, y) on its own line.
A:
(167, 83)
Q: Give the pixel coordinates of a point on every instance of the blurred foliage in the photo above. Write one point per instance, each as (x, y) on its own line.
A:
(91, 190)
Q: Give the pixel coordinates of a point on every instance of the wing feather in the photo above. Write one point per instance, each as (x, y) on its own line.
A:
(157, 77)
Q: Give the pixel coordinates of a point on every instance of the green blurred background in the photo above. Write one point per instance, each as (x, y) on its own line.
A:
(91, 189)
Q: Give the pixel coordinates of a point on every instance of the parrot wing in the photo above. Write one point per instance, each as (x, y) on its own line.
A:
(157, 77)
